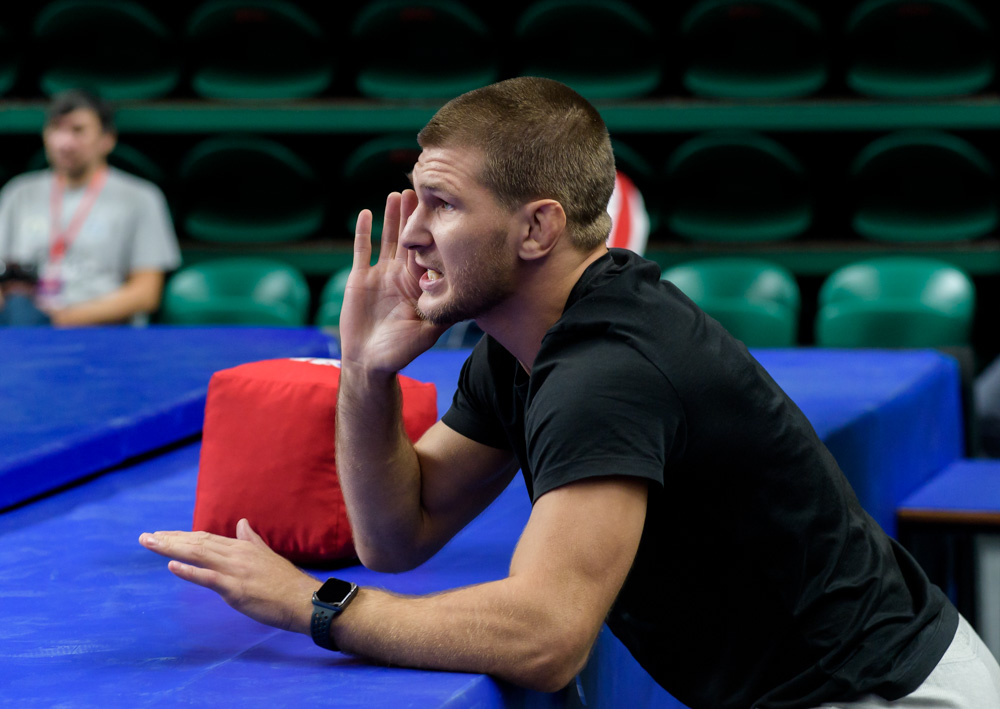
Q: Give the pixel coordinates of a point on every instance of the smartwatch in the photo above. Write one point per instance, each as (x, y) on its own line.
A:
(328, 602)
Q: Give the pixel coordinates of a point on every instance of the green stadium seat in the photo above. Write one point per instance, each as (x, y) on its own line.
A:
(920, 186)
(756, 301)
(257, 49)
(736, 186)
(373, 170)
(115, 48)
(896, 301)
(918, 49)
(604, 49)
(751, 49)
(248, 189)
(236, 291)
(421, 49)
(331, 299)
(645, 177)
(634, 163)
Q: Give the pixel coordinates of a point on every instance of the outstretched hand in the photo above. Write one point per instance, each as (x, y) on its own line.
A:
(379, 325)
(248, 575)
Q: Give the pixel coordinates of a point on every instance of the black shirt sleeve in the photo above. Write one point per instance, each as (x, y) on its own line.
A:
(598, 407)
(474, 410)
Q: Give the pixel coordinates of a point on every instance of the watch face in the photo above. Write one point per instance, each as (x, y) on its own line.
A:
(334, 592)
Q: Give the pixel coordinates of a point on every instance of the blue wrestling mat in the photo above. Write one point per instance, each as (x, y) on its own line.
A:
(126, 633)
(74, 402)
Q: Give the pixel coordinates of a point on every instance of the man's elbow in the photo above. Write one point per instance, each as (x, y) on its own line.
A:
(558, 658)
(150, 303)
(146, 291)
(387, 560)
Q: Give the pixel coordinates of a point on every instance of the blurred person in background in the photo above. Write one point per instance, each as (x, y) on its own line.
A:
(82, 243)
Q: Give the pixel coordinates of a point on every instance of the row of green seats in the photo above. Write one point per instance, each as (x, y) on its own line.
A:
(906, 186)
(236, 291)
(728, 186)
(885, 302)
(248, 291)
(606, 49)
(882, 302)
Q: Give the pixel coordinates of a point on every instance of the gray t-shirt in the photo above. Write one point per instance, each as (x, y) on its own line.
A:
(127, 229)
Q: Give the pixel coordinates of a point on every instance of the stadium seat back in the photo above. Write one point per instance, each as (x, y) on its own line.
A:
(236, 291)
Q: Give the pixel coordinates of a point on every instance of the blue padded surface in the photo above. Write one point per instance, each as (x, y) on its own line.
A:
(77, 401)
(891, 418)
(90, 618)
(964, 486)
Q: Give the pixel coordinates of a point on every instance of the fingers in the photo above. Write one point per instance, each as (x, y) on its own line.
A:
(363, 241)
(198, 548)
(196, 575)
(407, 205)
(245, 533)
(390, 228)
(398, 208)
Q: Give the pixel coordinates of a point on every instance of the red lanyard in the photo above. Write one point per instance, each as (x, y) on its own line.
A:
(61, 238)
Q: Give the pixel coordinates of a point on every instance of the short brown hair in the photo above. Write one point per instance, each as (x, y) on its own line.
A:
(539, 140)
(74, 99)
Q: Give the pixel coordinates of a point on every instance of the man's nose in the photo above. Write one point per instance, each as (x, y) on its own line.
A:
(61, 140)
(415, 234)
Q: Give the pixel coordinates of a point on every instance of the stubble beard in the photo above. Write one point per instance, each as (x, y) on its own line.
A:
(478, 286)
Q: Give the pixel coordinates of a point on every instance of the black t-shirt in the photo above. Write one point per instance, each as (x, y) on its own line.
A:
(759, 580)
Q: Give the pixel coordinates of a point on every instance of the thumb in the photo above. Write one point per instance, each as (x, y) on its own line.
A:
(245, 533)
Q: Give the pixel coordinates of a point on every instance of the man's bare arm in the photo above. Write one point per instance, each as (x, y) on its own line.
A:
(139, 294)
(534, 628)
(406, 501)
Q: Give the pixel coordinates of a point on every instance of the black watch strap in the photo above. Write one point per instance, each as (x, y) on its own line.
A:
(320, 626)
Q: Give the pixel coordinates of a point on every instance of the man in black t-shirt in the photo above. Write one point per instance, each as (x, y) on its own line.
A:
(677, 492)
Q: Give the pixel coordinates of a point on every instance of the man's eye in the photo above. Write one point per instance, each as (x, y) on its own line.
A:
(446, 206)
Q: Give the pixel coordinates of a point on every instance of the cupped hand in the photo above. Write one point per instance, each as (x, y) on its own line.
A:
(380, 329)
(244, 571)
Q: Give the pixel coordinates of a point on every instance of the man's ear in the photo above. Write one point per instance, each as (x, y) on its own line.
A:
(108, 142)
(546, 223)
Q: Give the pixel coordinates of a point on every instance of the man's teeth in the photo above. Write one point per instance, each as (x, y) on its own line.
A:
(432, 275)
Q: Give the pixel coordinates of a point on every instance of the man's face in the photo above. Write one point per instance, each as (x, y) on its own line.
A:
(75, 142)
(463, 240)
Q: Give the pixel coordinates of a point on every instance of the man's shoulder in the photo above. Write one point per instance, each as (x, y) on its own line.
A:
(133, 184)
(620, 274)
(27, 181)
(622, 294)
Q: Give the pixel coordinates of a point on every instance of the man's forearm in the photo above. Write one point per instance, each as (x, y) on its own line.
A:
(114, 308)
(140, 294)
(378, 469)
(535, 627)
(500, 628)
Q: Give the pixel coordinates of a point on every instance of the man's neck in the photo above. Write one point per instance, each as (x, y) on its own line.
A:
(82, 179)
(521, 323)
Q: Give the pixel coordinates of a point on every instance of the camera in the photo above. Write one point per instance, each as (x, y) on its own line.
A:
(18, 273)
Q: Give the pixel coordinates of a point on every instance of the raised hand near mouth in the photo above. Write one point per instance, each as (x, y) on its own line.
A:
(380, 329)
